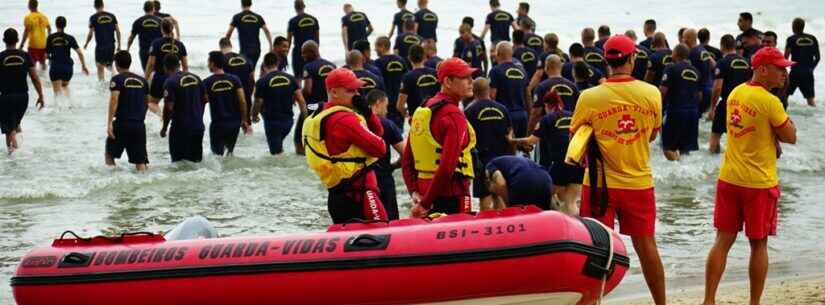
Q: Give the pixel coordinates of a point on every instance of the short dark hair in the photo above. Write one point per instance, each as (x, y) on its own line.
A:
(404, 2)
(361, 45)
(651, 22)
(680, 32)
(10, 36)
(383, 41)
(374, 96)
(704, 35)
(495, 3)
(416, 53)
(271, 60)
(468, 21)
(727, 42)
(518, 37)
(524, 6)
(217, 59)
(123, 59)
(60, 22)
(682, 51)
(617, 62)
(576, 50)
(604, 30)
(225, 42)
(33, 4)
(798, 25)
(746, 16)
(246, 3)
(771, 34)
(166, 26)
(148, 6)
(581, 70)
(299, 5)
(278, 40)
(171, 62)
(157, 5)
(98, 3)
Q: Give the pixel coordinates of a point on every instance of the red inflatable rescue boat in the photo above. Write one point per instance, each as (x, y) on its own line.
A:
(513, 256)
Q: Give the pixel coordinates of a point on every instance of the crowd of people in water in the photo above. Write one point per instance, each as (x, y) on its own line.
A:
(525, 123)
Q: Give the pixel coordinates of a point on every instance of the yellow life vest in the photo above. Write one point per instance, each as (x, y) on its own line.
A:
(332, 169)
(427, 151)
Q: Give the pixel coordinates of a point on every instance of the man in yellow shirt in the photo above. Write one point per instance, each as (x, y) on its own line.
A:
(625, 114)
(36, 24)
(748, 188)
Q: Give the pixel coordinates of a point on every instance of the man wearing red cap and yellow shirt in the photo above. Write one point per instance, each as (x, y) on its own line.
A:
(748, 188)
(342, 140)
(625, 114)
(437, 162)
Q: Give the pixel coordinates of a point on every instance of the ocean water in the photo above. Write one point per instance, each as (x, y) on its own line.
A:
(57, 180)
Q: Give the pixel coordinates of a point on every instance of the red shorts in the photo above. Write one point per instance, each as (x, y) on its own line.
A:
(755, 208)
(37, 55)
(636, 210)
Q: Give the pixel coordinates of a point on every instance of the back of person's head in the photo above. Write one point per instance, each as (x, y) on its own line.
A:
(299, 5)
(409, 25)
(60, 22)
(166, 26)
(604, 31)
(659, 40)
(383, 42)
(553, 62)
(504, 49)
(354, 58)
(481, 87)
(416, 54)
(631, 34)
(576, 50)
(581, 71)
(246, 3)
(401, 2)
(704, 35)
(468, 21)
(727, 42)
(650, 26)
(681, 33)
(156, 5)
(746, 16)
(681, 51)
(526, 24)
(171, 62)
(10, 36)
(465, 29)
(361, 45)
(771, 34)
(495, 3)
(588, 36)
(33, 4)
(148, 6)
(310, 49)
(217, 59)
(98, 4)
(524, 6)
(225, 42)
(123, 59)
(518, 37)
(271, 60)
(551, 40)
(798, 25)
(375, 96)
(347, 8)
(279, 40)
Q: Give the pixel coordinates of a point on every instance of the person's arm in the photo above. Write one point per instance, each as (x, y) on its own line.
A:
(484, 31)
(289, 41)
(528, 99)
(535, 116)
(82, 60)
(302, 103)
(369, 29)
(485, 61)
(177, 27)
(184, 64)
(663, 91)
(118, 36)
(368, 140)
(89, 37)
(498, 186)
(38, 87)
(150, 66)
(399, 148)
(699, 95)
(153, 107)
(392, 30)
(534, 82)
(167, 116)
(816, 53)
(786, 133)
(409, 173)
(344, 37)
(401, 105)
(269, 37)
(243, 106)
(493, 93)
(514, 24)
(714, 98)
(650, 76)
(454, 127)
(256, 109)
(526, 142)
(130, 41)
(113, 100)
(307, 87)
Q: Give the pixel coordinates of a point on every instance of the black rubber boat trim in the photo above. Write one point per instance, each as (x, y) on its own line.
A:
(320, 265)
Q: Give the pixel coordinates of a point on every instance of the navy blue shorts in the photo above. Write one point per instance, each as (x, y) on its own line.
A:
(62, 72)
(156, 88)
(144, 58)
(538, 193)
(276, 131)
(681, 130)
(298, 135)
(186, 144)
(519, 121)
(386, 187)
(707, 92)
(105, 55)
(130, 137)
(802, 79)
(719, 125)
(564, 174)
(253, 55)
(222, 137)
(12, 109)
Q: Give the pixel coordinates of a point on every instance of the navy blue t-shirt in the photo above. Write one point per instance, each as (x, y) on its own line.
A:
(317, 71)
(392, 135)
(528, 58)
(647, 43)
(543, 58)
(224, 106)
(583, 86)
(521, 174)
(249, 27)
(642, 62)
(58, 48)
(715, 53)
(131, 100)
(399, 18)
(304, 27)
(14, 68)
(393, 68)
(187, 94)
(427, 24)
(554, 132)
(804, 51)
(593, 80)
(404, 41)
(104, 24)
(147, 29)
(277, 89)
(239, 66)
(510, 81)
(683, 83)
(535, 42)
(600, 43)
(701, 60)
(419, 85)
(357, 25)
(371, 81)
(433, 62)
(472, 52)
(491, 122)
(565, 88)
(165, 46)
(500, 23)
(733, 70)
(595, 58)
(659, 60)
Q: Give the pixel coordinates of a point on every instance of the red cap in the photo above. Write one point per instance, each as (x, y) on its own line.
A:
(343, 78)
(619, 46)
(770, 56)
(454, 67)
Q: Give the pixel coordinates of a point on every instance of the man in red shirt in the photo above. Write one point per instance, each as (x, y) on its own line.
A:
(437, 164)
(342, 140)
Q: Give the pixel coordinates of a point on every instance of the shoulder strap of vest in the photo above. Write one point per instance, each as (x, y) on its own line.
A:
(434, 107)
(321, 132)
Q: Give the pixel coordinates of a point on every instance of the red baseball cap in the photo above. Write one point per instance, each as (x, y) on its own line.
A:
(454, 67)
(770, 56)
(343, 78)
(619, 46)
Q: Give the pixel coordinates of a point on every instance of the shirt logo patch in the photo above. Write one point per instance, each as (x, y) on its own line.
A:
(641, 54)
(369, 83)
(564, 122)
(804, 42)
(324, 70)
(412, 39)
(593, 57)
(667, 60)
(151, 23)
(222, 86)
(169, 48)
(502, 17)
(514, 73)
(535, 41)
(706, 56)
(236, 61)
(13, 61)
(429, 17)
(59, 42)
(627, 125)
(490, 114)
(249, 19)
(740, 64)
(562, 89)
(356, 17)
(395, 66)
(527, 57)
(188, 81)
(736, 119)
(105, 19)
(690, 75)
(306, 22)
(426, 81)
(133, 83)
(279, 81)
